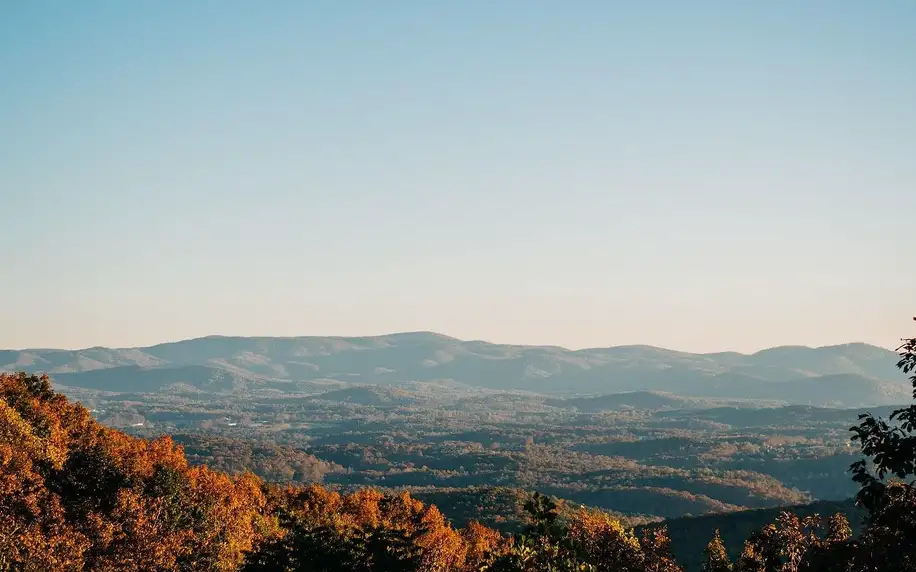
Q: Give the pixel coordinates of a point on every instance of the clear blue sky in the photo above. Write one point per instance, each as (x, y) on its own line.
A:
(702, 175)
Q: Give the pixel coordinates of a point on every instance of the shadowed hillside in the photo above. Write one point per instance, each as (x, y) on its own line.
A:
(150, 380)
(851, 374)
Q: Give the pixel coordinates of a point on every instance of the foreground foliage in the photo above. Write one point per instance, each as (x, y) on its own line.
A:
(75, 495)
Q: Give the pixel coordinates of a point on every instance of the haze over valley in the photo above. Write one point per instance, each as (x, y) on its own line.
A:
(670, 243)
(645, 434)
(850, 375)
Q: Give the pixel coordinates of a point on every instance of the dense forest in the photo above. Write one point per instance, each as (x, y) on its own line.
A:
(77, 495)
(632, 458)
(351, 413)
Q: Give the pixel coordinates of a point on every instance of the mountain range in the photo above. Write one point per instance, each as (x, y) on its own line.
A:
(853, 374)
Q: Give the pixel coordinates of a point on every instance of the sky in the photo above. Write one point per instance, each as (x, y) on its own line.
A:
(704, 175)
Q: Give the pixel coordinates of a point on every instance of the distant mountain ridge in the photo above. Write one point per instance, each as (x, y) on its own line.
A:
(849, 374)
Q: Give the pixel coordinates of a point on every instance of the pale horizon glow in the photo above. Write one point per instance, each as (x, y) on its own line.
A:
(701, 176)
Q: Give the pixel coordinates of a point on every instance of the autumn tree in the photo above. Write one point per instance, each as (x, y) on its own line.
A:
(367, 531)
(482, 546)
(75, 495)
(34, 531)
(543, 514)
(716, 556)
(794, 544)
(601, 540)
(588, 540)
(656, 549)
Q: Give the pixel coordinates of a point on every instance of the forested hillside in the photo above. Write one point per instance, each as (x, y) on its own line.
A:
(845, 375)
(457, 286)
(76, 495)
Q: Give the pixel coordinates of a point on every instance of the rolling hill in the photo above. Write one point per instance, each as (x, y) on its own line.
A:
(844, 375)
(136, 379)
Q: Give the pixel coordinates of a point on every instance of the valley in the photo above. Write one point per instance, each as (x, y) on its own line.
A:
(644, 434)
(450, 422)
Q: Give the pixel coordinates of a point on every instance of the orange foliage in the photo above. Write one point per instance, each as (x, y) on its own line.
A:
(603, 539)
(75, 495)
(480, 543)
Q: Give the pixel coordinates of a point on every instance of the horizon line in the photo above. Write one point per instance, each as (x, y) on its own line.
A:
(441, 335)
